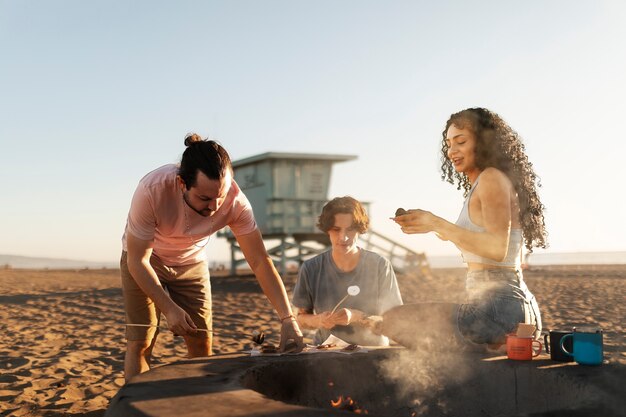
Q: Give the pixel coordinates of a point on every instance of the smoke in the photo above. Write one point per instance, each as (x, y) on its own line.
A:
(426, 376)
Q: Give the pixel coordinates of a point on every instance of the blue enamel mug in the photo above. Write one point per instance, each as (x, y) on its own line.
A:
(586, 346)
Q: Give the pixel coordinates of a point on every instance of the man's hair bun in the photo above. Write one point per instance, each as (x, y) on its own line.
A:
(192, 138)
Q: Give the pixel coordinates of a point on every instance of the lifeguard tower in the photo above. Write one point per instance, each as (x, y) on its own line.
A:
(287, 192)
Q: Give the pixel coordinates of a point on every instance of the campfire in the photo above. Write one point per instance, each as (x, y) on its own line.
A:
(381, 382)
(347, 404)
(390, 383)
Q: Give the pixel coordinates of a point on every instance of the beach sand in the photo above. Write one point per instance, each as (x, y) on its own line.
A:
(62, 344)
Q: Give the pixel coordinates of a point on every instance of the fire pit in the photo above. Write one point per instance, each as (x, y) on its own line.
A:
(382, 382)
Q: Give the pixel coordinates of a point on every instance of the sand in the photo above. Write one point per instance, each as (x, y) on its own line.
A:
(62, 344)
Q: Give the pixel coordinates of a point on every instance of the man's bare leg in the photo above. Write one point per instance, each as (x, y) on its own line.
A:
(137, 357)
(199, 347)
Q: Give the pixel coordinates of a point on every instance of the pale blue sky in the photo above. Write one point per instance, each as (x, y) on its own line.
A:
(95, 94)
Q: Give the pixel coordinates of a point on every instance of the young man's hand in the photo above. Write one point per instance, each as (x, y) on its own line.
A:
(373, 323)
(346, 316)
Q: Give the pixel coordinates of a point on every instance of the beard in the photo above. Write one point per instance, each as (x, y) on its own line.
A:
(206, 212)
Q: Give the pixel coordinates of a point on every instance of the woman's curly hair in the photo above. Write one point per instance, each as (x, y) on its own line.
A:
(499, 146)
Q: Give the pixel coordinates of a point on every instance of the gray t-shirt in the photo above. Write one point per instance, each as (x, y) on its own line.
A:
(321, 285)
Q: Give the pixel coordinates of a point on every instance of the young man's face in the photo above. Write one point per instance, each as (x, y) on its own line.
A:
(343, 235)
(207, 195)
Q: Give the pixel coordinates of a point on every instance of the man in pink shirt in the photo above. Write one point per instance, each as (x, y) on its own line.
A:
(174, 211)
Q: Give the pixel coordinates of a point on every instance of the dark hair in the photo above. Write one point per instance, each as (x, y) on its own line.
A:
(343, 205)
(499, 146)
(203, 155)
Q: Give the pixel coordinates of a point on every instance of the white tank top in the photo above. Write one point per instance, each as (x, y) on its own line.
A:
(514, 253)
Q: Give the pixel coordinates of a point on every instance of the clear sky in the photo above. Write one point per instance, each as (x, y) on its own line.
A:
(94, 94)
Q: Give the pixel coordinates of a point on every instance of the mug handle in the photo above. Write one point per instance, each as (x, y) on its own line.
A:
(538, 350)
(561, 344)
(545, 342)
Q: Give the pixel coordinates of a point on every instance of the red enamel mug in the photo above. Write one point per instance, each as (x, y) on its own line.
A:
(522, 348)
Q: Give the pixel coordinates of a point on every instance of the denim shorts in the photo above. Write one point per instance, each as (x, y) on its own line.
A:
(497, 300)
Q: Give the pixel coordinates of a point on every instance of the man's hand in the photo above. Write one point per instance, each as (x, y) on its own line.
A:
(266, 274)
(346, 316)
(179, 322)
(325, 320)
(291, 339)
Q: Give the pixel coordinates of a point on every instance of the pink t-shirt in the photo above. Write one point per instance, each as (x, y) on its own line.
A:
(179, 234)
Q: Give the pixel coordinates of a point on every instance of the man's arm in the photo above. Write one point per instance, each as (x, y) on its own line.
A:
(266, 274)
(139, 252)
(341, 317)
(309, 320)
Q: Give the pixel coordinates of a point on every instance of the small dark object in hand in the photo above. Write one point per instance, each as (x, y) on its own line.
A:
(401, 212)
(258, 337)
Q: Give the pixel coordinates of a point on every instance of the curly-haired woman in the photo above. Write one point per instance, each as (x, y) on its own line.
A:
(502, 212)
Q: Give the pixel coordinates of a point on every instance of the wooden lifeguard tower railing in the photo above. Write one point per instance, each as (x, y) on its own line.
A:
(287, 192)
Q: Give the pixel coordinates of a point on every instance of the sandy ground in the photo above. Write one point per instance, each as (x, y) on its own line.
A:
(62, 333)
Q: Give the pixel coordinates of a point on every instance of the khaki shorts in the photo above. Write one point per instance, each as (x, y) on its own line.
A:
(189, 287)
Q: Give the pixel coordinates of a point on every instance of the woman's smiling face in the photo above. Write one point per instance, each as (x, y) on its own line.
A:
(462, 150)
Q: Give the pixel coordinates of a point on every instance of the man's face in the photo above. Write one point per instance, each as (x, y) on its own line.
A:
(343, 235)
(207, 195)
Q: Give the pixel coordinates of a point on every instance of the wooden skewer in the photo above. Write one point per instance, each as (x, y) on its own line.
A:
(340, 301)
(153, 325)
(257, 337)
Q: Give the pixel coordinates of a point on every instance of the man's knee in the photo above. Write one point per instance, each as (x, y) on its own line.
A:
(138, 347)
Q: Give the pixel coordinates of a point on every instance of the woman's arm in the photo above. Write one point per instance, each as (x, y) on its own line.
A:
(491, 207)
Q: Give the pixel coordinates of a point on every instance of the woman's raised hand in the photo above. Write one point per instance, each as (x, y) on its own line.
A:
(416, 221)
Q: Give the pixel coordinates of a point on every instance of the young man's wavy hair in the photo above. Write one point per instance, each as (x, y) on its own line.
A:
(343, 205)
(206, 156)
(499, 146)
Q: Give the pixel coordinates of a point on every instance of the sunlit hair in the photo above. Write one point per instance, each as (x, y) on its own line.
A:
(206, 156)
(343, 205)
(499, 146)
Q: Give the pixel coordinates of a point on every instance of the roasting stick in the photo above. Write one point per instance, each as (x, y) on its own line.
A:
(257, 336)
(154, 325)
(353, 290)
(339, 303)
